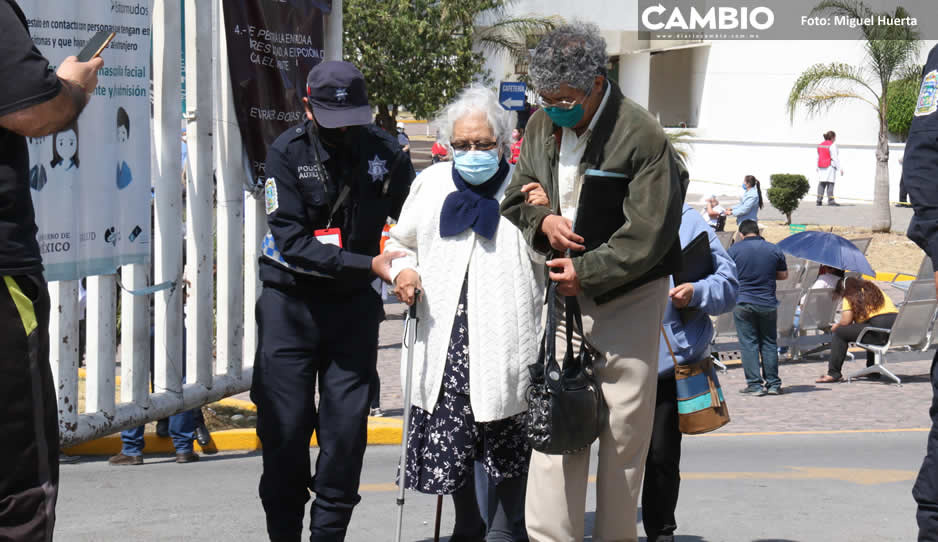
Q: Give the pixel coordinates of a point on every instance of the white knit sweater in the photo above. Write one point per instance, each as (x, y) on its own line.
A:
(505, 298)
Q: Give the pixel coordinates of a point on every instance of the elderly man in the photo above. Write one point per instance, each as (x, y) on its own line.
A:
(616, 188)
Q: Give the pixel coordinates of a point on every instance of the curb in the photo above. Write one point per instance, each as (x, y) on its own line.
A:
(381, 431)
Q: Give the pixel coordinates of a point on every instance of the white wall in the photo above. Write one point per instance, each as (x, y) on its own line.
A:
(744, 127)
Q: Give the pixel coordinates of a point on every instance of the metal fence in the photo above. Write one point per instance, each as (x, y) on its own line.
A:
(223, 227)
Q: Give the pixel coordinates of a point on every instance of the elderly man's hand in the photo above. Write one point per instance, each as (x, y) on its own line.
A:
(406, 283)
(559, 232)
(681, 295)
(535, 194)
(563, 273)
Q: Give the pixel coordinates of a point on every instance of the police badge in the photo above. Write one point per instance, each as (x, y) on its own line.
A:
(377, 169)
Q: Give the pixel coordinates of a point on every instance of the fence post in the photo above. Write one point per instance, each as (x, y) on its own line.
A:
(135, 337)
(230, 177)
(63, 351)
(102, 344)
(167, 175)
(200, 251)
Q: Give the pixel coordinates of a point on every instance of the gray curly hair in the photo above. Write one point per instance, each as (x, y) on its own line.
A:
(572, 53)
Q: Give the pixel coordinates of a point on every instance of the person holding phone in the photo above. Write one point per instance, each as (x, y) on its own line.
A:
(35, 102)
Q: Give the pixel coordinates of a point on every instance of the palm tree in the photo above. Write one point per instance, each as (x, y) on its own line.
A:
(891, 52)
(499, 32)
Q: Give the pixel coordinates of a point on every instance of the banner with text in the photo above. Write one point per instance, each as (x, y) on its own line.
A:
(272, 45)
(91, 182)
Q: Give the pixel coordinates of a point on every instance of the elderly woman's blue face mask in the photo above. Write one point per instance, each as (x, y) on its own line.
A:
(475, 148)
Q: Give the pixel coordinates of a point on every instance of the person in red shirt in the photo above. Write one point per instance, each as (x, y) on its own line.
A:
(517, 135)
(438, 152)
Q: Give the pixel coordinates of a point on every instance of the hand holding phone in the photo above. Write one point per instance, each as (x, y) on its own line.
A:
(95, 45)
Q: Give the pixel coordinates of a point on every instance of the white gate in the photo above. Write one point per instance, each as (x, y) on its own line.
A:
(222, 232)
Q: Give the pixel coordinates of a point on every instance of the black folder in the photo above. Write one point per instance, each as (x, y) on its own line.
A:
(698, 262)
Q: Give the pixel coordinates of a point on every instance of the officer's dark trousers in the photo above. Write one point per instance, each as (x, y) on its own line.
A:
(925, 489)
(305, 337)
(29, 429)
(662, 470)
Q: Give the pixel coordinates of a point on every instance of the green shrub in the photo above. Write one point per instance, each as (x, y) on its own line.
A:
(900, 103)
(786, 192)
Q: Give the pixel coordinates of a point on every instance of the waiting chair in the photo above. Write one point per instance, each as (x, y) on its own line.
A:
(817, 316)
(920, 290)
(795, 270)
(726, 238)
(810, 274)
(911, 331)
(862, 243)
(787, 307)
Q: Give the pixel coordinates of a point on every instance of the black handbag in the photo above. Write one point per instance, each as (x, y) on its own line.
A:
(566, 411)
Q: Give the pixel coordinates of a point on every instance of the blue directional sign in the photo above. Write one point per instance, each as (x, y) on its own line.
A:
(511, 95)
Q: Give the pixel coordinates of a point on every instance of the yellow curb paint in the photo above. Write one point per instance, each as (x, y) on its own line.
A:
(380, 431)
(237, 403)
(865, 477)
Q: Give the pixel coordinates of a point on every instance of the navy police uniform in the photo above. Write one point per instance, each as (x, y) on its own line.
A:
(318, 319)
(920, 168)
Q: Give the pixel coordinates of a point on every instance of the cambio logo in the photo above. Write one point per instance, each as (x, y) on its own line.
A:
(715, 18)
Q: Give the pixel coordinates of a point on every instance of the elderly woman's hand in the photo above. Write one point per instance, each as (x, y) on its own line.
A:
(535, 194)
(405, 284)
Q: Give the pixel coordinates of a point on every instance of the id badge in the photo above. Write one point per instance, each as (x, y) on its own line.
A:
(330, 236)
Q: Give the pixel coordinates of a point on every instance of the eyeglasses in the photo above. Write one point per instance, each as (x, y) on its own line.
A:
(563, 105)
(474, 145)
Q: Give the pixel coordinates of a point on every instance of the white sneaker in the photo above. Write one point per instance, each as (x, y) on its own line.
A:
(377, 412)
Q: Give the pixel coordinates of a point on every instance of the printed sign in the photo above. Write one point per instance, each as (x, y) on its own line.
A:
(511, 95)
(272, 45)
(91, 182)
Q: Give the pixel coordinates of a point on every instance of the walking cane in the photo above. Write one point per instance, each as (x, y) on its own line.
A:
(410, 337)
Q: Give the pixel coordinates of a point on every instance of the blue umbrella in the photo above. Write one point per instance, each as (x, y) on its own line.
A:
(827, 249)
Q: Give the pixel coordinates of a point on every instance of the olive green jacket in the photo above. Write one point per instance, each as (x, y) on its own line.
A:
(628, 144)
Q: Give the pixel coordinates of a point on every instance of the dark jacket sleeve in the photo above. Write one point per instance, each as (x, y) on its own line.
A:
(652, 213)
(920, 174)
(287, 220)
(526, 217)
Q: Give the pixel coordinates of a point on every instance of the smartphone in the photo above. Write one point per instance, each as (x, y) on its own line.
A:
(95, 45)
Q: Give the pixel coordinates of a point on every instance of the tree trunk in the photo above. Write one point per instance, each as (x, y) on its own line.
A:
(882, 217)
(788, 217)
(386, 118)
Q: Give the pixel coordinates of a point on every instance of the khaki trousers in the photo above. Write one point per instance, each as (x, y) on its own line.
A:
(626, 331)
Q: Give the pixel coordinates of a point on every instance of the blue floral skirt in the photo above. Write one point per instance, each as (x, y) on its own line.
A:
(443, 446)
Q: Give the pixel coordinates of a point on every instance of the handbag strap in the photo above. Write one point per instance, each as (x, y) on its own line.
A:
(667, 342)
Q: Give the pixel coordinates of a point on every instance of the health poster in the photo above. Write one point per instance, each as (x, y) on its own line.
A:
(91, 181)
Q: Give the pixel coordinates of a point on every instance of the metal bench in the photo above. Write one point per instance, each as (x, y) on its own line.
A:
(911, 331)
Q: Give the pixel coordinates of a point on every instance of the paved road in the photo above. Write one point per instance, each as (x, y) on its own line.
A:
(843, 487)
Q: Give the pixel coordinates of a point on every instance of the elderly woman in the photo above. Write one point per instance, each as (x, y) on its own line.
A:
(479, 312)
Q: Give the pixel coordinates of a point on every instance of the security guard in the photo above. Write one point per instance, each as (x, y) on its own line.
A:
(332, 182)
(920, 167)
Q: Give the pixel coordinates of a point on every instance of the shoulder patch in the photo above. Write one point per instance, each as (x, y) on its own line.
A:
(272, 203)
(928, 97)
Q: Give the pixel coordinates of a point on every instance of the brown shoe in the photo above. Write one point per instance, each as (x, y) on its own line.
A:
(121, 460)
(188, 457)
(828, 379)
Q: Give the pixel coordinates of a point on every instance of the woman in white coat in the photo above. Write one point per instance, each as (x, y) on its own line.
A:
(480, 308)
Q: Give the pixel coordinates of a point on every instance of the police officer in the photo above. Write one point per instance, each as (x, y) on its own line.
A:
(332, 182)
(920, 169)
